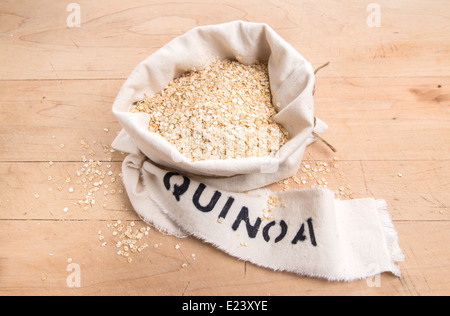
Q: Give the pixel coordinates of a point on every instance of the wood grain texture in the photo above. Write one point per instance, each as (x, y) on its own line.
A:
(389, 118)
(407, 196)
(385, 96)
(159, 271)
(412, 40)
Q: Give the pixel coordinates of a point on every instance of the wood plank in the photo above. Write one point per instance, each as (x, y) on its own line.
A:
(420, 194)
(388, 119)
(112, 39)
(385, 96)
(424, 272)
(380, 119)
(39, 267)
(40, 191)
(34, 260)
(420, 181)
(39, 116)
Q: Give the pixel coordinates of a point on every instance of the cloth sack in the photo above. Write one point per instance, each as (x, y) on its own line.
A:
(291, 81)
(314, 234)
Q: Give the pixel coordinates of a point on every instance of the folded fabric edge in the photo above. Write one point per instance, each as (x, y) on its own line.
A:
(320, 128)
(132, 163)
(391, 235)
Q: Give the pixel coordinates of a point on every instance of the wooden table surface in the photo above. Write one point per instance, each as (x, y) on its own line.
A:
(385, 96)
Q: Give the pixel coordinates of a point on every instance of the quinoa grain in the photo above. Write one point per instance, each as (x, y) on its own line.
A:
(221, 112)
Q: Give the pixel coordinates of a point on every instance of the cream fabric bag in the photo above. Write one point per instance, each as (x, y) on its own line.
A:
(315, 235)
(291, 81)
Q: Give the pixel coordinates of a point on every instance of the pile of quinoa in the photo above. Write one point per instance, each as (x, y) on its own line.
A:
(224, 111)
